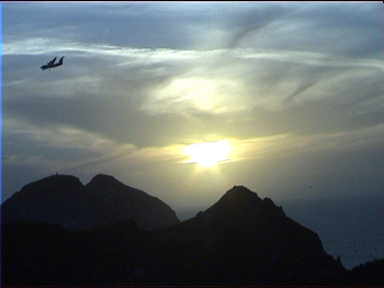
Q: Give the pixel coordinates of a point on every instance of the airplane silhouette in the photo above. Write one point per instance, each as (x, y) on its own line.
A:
(51, 64)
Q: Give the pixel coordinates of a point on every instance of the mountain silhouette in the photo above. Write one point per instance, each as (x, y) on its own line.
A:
(64, 200)
(129, 203)
(241, 238)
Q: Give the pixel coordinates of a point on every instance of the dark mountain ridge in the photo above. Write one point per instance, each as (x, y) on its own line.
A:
(244, 238)
(64, 200)
(240, 239)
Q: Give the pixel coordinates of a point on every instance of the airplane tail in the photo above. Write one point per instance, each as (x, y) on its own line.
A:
(61, 61)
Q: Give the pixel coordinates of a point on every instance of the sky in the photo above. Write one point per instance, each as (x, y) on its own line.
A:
(294, 88)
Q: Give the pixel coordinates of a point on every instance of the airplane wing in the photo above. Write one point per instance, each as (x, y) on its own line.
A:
(52, 61)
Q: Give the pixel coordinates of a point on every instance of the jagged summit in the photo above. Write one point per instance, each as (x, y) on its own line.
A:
(53, 180)
(102, 176)
(240, 192)
(106, 184)
(239, 198)
(237, 188)
(103, 180)
(239, 205)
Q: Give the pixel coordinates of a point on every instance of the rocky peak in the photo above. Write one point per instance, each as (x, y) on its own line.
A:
(104, 180)
(244, 203)
(239, 197)
(240, 193)
(57, 180)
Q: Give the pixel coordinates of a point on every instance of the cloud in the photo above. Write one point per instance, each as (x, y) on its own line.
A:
(162, 98)
(279, 80)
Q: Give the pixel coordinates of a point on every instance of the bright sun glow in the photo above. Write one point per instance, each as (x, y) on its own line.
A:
(208, 154)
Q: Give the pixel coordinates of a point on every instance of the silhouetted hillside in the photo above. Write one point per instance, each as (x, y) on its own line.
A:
(62, 199)
(39, 253)
(368, 273)
(240, 239)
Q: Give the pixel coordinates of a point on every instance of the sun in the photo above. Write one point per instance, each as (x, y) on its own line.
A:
(209, 153)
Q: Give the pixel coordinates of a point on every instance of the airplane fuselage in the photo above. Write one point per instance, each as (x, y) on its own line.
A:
(52, 64)
(44, 67)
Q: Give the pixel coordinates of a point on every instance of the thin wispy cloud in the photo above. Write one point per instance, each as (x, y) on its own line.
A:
(41, 46)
